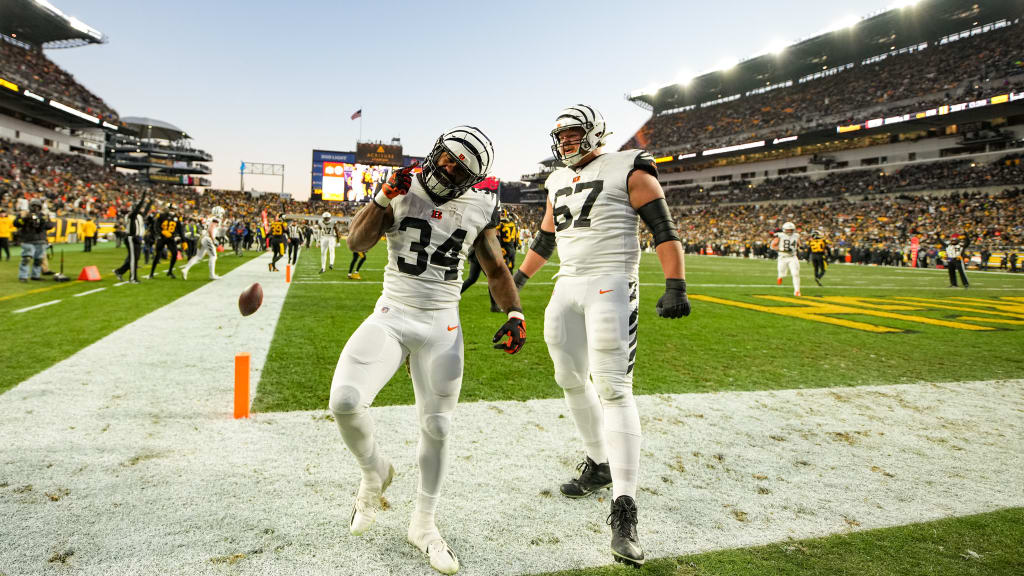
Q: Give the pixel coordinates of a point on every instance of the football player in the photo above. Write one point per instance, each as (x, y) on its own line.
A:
(294, 242)
(508, 236)
(277, 241)
(327, 236)
(590, 324)
(819, 252)
(207, 244)
(168, 233)
(431, 221)
(358, 259)
(786, 244)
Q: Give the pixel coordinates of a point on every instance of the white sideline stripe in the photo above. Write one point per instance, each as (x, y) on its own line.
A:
(89, 292)
(156, 466)
(121, 283)
(34, 307)
(785, 287)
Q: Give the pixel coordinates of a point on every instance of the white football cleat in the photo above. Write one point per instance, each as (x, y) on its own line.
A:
(214, 277)
(364, 512)
(184, 273)
(430, 542)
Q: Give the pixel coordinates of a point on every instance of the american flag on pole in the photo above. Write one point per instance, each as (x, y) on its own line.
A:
(357, 114)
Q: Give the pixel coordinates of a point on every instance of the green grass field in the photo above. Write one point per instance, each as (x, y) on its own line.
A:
(972, 545)
(44, 336)
(719, 347)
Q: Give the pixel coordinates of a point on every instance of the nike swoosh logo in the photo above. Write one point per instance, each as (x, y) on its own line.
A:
(450, 328)
(605, 291)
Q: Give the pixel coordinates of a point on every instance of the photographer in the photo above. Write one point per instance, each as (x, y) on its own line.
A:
(32, 225)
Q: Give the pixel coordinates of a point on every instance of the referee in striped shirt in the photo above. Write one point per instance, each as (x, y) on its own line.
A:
(955, 262)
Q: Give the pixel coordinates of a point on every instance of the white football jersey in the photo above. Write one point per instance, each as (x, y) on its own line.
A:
(595, 226)
(213, 225)
(428, 245)
(788, 243)
(326, 230)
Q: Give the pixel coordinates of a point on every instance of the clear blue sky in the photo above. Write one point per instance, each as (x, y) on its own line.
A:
(269, 81)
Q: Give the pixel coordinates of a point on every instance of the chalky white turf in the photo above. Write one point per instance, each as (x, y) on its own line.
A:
(124, 459)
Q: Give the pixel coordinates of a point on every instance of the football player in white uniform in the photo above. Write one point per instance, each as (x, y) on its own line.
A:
(207, 244)
(328, 238)
(431, 220)
(786, 243)
(590, 325)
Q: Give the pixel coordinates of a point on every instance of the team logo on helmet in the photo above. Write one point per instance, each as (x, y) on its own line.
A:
(473, 154)
(586, 118)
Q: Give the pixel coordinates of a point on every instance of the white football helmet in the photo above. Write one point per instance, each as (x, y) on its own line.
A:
(594, 134)
(788, 227)
(326, 216)
(471, 149)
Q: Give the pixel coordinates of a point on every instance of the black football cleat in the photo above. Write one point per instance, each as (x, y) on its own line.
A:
(817, 280)
(626, 547)
(593, 477)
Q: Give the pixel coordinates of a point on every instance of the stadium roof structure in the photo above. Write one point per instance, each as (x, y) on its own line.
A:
(40, 23)
(153, 128)
(925, 21)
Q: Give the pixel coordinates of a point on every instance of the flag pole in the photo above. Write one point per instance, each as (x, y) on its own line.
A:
(360, 122)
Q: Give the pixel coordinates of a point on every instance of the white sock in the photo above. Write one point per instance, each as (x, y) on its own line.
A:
(624, 439)
(588, 416)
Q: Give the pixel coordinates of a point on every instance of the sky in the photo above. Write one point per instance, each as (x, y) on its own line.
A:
(271, 81)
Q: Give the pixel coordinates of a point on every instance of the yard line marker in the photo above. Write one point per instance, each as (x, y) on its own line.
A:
(90, 292)
(121, 283)
(34, 307)
(38, 290)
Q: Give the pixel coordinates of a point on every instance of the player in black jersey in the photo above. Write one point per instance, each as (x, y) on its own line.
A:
(277, 241)
(819, 252)
(508, 239)
(167, 231)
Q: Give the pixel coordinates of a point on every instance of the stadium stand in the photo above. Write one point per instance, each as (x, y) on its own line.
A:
(28, 66)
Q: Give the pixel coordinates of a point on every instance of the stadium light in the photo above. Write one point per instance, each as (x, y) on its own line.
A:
(727, 63)
(684, 77)
(903, 4)
(848, 21)
(776, 47)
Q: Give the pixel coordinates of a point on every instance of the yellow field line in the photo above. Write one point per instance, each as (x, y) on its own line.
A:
(38, 290)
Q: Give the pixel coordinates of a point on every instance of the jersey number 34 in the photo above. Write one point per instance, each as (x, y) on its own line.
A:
(446, 255)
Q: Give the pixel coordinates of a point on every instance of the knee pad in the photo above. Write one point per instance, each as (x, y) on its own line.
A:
(437, 426)
(346, 400)
(614, 390)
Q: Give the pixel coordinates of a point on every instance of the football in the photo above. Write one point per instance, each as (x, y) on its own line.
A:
(250, 299)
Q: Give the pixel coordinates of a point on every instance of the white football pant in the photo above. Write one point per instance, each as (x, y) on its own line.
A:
(432, 339)
(792, 264)
(206, 248)
(590, 327)
(327, 247)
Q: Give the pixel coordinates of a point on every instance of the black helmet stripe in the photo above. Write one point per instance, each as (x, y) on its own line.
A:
(588, 119)
(593, 115)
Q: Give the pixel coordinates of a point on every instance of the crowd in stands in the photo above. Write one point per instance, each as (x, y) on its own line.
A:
(1007, 171)
(967, 69)
(30, 68)
(873, 230)
(871, 227)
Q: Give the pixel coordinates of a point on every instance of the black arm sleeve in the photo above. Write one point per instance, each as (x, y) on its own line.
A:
(657, 217)
(544, 244)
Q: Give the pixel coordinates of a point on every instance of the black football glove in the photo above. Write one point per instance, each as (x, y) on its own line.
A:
(515, 329)
(520, 280)
(673, 303)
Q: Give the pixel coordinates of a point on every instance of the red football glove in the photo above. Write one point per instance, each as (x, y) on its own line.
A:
(399, 182)
(515, 329)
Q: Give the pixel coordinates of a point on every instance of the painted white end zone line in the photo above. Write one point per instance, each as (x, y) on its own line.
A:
(90, 292)
(36, 306)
